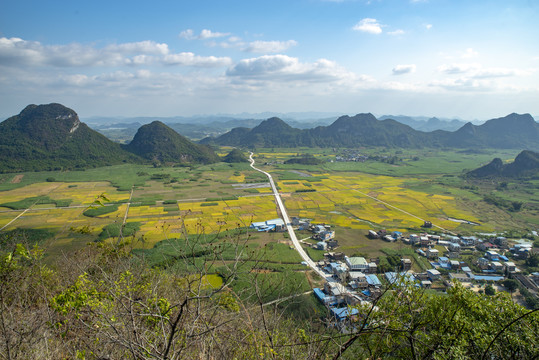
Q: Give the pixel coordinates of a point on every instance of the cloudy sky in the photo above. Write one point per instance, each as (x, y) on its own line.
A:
(470, 59)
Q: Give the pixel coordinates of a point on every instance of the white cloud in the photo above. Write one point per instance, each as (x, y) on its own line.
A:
(469, 53)
(464, 84)
(497, 72)
(269, 46)
(428, 26)
(205, 34)
(19, 52)
(403, 69)
(208, 34)
(188, 34)
(458, 68)
(16, 52)
(396, 32)
(75, 80)
(368, 25)
(476, 71)
(190, 59)
(147, 47)
(139, 60)
(286, 68)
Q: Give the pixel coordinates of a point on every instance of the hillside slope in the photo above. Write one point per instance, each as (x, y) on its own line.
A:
(510, 132)
(158, 142)
(526, 164)
(514, 131)
(48, 137)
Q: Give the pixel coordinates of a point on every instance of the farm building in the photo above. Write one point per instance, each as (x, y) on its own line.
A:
(357, 263)
(322, 297)
(373, 280)
(321, 245)
(454, 247)
(414, 239)
(432, 253)
(510, 266)
(406, 264)
(433, 274)
(269, 225)
(342, 313)
(357, 280)
(460, 277)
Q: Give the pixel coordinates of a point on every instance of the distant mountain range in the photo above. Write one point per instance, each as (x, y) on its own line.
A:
(49, 137)
(513, 131)
(426, 124)
(195, 128)
(526, 164)
(198, 127)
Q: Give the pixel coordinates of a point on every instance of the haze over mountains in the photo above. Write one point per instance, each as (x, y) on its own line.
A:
(51, 136)
(513, 131)
(426, 124)
(199, 127)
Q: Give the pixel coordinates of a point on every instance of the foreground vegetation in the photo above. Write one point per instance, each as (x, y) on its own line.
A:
(166, 268)
(104, 301)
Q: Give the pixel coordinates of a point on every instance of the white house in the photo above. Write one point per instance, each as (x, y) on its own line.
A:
(357, 263)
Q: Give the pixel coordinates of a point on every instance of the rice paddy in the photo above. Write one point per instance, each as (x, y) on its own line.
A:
(169, 202)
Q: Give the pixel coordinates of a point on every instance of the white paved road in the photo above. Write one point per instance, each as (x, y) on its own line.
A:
(291, 232)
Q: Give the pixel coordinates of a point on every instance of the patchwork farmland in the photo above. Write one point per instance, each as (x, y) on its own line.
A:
(165, 203)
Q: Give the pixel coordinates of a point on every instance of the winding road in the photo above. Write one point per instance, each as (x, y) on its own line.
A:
(286, 219)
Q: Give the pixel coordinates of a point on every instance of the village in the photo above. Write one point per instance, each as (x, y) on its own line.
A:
(482, 264)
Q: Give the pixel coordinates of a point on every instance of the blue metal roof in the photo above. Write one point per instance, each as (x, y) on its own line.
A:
(319, 294)
(488, 278)
(373, 280)
(343, 313)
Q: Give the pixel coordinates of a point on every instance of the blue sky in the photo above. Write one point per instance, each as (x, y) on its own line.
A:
(469, 59)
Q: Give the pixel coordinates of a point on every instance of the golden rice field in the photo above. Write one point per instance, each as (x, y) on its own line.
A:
(157, 221)
(351, 200)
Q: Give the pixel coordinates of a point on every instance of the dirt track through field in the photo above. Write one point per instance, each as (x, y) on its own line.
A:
(394, 207)
(17, 179)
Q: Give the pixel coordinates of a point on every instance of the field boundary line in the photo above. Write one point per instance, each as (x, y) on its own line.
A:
(18, 216)
(126, 212)
(21, 214)
(394, 207)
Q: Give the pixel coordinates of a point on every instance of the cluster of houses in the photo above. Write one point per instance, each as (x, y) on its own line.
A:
(357, 279)
(354, 280)
(351, 156)
(269, 225)
(321, 233)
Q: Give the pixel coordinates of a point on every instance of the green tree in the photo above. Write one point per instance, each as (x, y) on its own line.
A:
(409, 323)
(510, 284)
(533, 260)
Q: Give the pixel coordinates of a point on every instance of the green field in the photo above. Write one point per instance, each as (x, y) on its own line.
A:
(170, 205)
